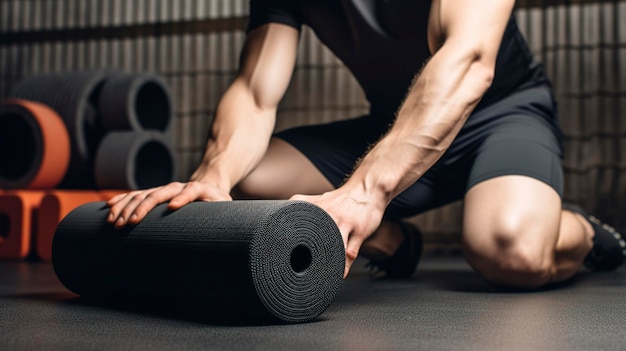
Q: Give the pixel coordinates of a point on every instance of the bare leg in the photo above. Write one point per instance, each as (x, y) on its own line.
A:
(515, 233)
(283, 172)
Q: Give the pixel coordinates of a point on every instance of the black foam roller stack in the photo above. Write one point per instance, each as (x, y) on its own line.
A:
(269, 260)
(74, 96)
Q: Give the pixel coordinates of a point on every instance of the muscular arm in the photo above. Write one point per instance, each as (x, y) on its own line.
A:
(441, 98)
(240, 132)
(465, 36)
(246, 114)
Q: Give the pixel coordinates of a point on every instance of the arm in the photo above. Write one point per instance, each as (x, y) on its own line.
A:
(246, 114)
(468, 35)
(240, 132)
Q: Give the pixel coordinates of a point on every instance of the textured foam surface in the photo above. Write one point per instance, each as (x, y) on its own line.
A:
(267, 260)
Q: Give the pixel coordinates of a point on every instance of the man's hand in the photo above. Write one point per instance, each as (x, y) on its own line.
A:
(132, 207)
(356, 216)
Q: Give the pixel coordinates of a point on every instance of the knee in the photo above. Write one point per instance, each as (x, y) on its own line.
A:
(512, 261)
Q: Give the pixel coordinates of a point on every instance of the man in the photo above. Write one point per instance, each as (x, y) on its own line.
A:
(459, 110)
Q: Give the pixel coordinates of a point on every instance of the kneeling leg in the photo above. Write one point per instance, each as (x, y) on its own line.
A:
(515, 233)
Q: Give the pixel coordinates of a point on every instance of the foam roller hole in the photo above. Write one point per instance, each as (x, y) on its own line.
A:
(153, 166)
(5, 226)
(301, 258)
(152, 107)
(17, 143)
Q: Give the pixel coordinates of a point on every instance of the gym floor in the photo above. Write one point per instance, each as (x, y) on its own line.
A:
(446, 306)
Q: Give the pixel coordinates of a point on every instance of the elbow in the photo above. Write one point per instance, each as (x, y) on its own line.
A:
(480, 74)
(482, 67)
(485, 73)
(485, 65)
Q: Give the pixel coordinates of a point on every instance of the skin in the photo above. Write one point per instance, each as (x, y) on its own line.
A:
(514, 232)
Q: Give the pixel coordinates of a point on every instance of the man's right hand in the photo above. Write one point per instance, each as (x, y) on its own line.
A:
(132, 207)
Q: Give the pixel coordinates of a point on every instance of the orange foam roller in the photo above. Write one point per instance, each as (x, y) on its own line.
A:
(34, 146)
(55, 205)
(17, 210)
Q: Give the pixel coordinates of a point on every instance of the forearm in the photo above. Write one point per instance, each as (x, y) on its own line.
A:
(238, 140)
(436, 106)
(246, 114)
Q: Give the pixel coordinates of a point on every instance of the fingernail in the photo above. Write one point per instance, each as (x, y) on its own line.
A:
(133, 218)
(120, 222)
(110, 218)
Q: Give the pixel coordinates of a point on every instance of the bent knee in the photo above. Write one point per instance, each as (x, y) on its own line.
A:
(512, 263)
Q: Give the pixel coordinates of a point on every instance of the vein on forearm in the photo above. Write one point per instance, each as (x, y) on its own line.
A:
(436, 106)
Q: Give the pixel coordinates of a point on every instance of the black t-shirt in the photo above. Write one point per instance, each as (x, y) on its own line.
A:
(384, 44)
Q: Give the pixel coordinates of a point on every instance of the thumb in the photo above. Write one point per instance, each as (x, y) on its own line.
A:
(299, 197)
(352, 252)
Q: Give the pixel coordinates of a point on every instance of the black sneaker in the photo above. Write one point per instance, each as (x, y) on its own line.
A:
(404, 261)
(609, 246)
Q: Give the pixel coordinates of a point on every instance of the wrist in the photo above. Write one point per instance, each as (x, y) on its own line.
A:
(211, 175)
(367, 193)
(378, 175)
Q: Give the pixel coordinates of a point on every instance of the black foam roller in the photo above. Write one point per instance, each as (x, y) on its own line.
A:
(134, 160)
(74, 96)
(136, 102)
(262, 260)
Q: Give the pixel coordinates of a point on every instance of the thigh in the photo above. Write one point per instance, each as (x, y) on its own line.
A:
(311, 159)
(334, 148)
(283, 172)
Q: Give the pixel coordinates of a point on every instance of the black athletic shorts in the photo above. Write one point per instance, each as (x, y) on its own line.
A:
(517, 135)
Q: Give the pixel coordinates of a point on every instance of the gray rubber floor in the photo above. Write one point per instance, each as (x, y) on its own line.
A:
(444, 307)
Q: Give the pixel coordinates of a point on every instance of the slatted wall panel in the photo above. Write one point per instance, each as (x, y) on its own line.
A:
(195, 44)
(583, 46)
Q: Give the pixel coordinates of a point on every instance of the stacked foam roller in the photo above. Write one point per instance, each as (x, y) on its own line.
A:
(136, 114)
(67, 139)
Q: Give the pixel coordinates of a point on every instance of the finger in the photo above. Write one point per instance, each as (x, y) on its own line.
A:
(191, 192)
(345, 233)
(129, 204)
(119, 197)
(119, 205)
(151, 200)
(115, 199)
(352, 252)
(125, 212)
(298, 197)
(183, 198)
